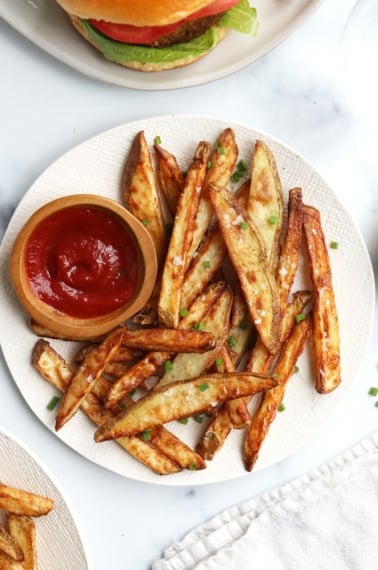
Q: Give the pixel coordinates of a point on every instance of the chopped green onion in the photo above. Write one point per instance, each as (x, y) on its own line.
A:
(239, 171)
(300, 317)
(145, 223)
(168, 365)
(273, 220)
(203, 387)
(334, 245)
(373, 391)
(231, 342)
(281, 407)
(376, 404)
(198, 326)
(209, 164)
(296, 369)
(157, 139)
(53, 403)
(206, 264)
(198, 419)
(221, 149)
(184, 312)
(193, 466)
(146, 435)
(219, 361)
(243, 225)
(183, 420)
(243, 325)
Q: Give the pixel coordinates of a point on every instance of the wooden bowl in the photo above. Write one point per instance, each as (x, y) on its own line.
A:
(69, 325)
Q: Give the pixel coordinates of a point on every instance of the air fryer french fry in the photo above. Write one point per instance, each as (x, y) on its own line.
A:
(140, 193)
(9, 546)
(22, 529)
(22, 502)
(181, 239)
(182, 399)
(92, 367)
(265, 201)
(170, 177)
(222, 163)
(326, 336)
(248, 257)
(215, 434)
(271, 400)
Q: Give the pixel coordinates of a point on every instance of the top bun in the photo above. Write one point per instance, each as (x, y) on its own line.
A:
(134, 12)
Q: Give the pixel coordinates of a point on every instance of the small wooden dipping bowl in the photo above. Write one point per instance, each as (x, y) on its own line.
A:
(69, 325)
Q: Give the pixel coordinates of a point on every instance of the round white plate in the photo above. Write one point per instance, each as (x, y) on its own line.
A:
(58, 540)
(45, 23)
(95, 166)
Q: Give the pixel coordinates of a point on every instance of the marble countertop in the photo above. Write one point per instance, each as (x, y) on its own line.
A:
(301, 92)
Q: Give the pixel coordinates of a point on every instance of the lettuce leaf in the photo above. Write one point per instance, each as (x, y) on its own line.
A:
(241, 18)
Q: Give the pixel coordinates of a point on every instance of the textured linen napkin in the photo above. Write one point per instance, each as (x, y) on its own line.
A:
(326, 519)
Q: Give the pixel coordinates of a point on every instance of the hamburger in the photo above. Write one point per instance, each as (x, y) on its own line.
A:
(153, 35)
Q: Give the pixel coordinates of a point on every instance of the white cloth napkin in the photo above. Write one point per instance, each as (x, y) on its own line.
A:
(327, 519)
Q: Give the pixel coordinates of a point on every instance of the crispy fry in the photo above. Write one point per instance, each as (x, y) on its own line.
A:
(92, 367)
(265, 200)
(215, 434)
(272, 399)
(140, 193)
(22, 529)
(56, 371)
(326, 336)
(291, 247)
(181, 239)
(148, 365)
(222, 160)
(236, 409)
(22, 502)
(182, 399)
(176, 449)
(170, 177)
(123, 354)
(9, 546)
(176, 340)
(249, 260)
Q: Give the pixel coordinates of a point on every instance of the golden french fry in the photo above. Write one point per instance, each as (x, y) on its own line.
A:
(175, 448)
(56, 371)
(182, 399)
(22, 529)
(272, 399)
(181, 239)
(222, 163)
(92, 367)
(140, 193)
(217, 322)
(176, 340)
(23, 502)
(265, 200)
(248, 257)
(291, 247)
(326, 336)
(236, 409)
(215, 434)
(170, 177)
(9, 546)
(123, 354)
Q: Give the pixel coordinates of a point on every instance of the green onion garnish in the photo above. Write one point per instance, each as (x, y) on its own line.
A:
(168, 365)
(198, 419)
(273, 220)
(146, 435)
(198, 326)
(281, 407)
(231, 342)
(183, 420)
(206, 264)
(193, 466)
(53, 403)
(334, 245)
(203, 387)
(300, 317)
(296, 369)
(373, 391)
(184, 312)
(145, 223)
(221, 149)
(243, 225)
(157, 139)
(219, 361)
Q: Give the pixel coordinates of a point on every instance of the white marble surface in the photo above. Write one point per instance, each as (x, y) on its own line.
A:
(296, 93)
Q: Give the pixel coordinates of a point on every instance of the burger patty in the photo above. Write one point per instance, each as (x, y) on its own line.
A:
(188, 31)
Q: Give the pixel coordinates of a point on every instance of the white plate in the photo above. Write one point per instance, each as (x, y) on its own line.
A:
(45, 24)
(95, 167)
(58, 539)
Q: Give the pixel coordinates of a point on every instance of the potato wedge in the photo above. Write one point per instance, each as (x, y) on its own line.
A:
(326, 335)
(271, 400)
(22, 529)
(222, 163)
(92, 367)
(160, 339)
(170, 177)
(215, 434)
(265, 203)
(23, 502)
(182, 236)
(176, 449)
(248, 257)
(182, 399)
(140, 193)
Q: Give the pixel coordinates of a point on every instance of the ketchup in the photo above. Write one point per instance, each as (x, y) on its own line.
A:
(82, 262)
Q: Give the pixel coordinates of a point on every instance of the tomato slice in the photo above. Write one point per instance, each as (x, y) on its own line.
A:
(145, 35)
